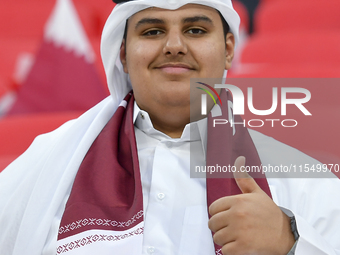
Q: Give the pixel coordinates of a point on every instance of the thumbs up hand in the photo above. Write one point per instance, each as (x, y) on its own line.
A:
(250, 223)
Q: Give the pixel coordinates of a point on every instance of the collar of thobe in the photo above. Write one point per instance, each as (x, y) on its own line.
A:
(194, 131)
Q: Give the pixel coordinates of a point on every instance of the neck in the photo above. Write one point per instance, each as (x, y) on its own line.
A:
(174, 124)
(170, 124)
(171, 120)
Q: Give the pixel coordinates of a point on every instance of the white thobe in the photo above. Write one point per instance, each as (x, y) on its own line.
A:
(34, 190)
(175, 205)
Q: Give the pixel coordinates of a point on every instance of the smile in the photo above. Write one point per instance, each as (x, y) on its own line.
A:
(175, 68)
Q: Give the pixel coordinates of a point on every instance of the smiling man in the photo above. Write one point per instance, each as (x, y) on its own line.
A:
(163, 50)
(117, 180)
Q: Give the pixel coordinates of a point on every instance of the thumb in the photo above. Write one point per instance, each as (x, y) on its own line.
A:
(244, 181)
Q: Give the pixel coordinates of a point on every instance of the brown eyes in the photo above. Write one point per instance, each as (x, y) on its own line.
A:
(196, 31)
(153, 33)
(156, 32)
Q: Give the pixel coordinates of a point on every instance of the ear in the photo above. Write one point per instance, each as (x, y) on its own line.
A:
(122, 55)
(230, 46)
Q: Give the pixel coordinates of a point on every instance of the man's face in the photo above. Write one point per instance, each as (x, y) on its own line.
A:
(165, 48)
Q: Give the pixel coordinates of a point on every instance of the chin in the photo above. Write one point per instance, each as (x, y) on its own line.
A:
(176, 103)
(176, 95)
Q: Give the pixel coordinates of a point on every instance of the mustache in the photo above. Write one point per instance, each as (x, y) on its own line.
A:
(176, 63)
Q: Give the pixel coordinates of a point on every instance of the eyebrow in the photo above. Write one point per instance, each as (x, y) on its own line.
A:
(185, 20)
(197, 19)
(149, 21)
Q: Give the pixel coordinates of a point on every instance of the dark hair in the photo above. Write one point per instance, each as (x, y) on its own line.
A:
(224, 24)
(226, 28)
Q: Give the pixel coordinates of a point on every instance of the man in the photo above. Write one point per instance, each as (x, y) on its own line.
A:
(117, 181)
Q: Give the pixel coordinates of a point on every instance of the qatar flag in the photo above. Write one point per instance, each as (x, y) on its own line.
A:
(63, 76)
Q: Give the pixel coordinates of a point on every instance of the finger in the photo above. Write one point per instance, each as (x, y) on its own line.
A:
(219, 205)
(231, 248)
(224, 237)
(244, 181)
(218, 221)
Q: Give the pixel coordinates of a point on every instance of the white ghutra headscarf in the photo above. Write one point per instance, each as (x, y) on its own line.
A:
(118, 82)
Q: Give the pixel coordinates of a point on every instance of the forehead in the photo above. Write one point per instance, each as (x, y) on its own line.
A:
(176, 15)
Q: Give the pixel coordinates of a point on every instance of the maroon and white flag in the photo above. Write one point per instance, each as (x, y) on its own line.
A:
(105, 209)
(63, 76)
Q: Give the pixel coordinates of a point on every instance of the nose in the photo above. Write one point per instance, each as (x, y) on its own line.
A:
(175, 44)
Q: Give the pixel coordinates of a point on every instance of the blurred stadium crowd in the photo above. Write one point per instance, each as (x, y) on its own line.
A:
(279, 39)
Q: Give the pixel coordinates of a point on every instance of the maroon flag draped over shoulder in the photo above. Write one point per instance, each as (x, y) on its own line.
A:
(108, 189)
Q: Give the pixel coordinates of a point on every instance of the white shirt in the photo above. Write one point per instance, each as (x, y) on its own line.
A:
(39, 181)
(175, 205)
